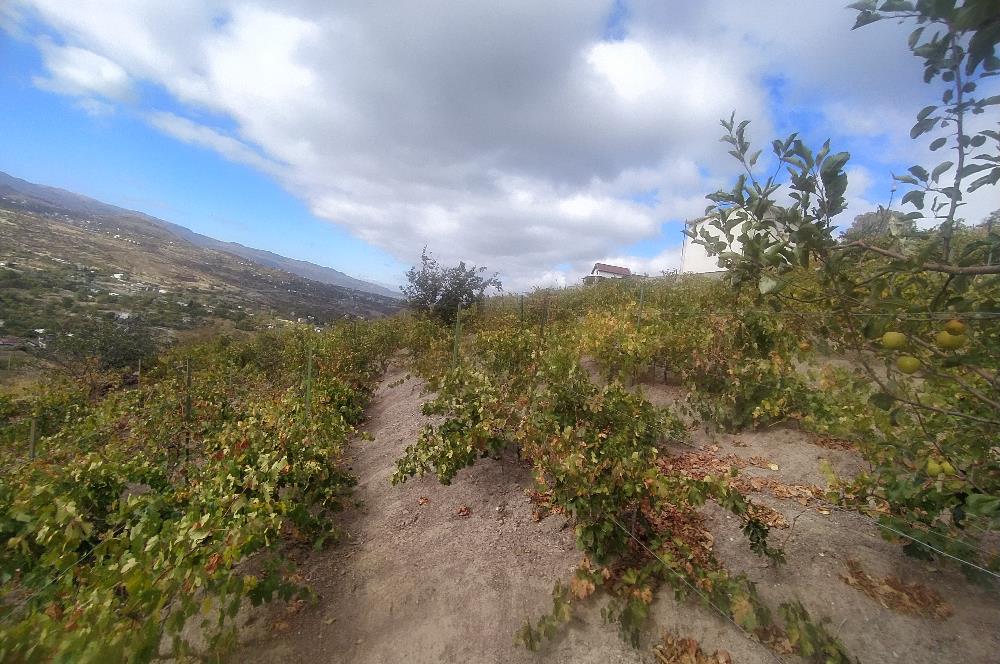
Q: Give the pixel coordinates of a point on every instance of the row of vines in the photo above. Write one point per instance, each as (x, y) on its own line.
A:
(151, 515)
(558, 377)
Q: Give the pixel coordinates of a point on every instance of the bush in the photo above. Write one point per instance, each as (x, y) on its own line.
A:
(439, 291)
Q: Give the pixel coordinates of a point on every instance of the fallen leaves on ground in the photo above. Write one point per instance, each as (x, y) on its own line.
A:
(835, 444)
(423, 500)
(896, 594)
(688, 539)
(801, 493)
(464, 511)
(543, 507)
(703, 463)
(768, 516)
(675, 650)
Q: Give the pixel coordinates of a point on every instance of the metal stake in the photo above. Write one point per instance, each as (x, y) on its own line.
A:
(33, 439)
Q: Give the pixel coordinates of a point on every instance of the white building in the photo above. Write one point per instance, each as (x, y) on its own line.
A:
(694, 257)
(604, 271)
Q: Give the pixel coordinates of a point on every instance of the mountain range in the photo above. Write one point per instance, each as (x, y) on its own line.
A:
(42, 198)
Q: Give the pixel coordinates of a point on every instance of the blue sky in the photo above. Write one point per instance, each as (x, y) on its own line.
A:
(532, 138)
(120, 159)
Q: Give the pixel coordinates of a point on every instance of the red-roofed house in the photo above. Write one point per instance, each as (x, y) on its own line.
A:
(605, 271)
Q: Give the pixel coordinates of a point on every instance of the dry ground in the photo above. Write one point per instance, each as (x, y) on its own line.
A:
(420, 583)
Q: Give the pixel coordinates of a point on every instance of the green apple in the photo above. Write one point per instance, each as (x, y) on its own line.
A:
(893, 340)
(908, 364)
(949, 341)
(955, 326)
(933, 468)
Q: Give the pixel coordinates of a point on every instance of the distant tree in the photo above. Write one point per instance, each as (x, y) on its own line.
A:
(991, 221)
(880, 224)
(438, 291)
(86, 347)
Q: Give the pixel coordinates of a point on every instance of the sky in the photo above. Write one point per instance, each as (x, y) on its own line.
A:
(534, 138)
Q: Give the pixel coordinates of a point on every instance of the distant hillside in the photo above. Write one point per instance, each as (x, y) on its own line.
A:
(63, 255)
(325, 275)
(41, 198)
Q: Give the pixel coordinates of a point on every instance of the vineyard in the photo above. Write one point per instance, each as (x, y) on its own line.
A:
(172, 500)
(560, 378)
(178, 501)
(797, 459)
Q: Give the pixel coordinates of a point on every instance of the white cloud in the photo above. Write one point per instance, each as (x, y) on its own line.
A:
(507, 134)
(77, 71)
(196, 134)
(95, 108)
(667, 260)
(860, 197)
(629, 67)
(865, 119)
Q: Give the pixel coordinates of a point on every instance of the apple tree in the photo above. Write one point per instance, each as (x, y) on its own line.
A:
(916, 307)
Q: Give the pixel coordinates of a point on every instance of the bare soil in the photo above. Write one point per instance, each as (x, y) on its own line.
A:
(421, 583)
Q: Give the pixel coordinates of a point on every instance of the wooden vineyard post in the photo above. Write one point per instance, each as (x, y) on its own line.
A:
(187, 409)
(309, 379)
(187, 392)
(642, 298)
(33, 439)
(522, 309)
(458, 332)
(545, 317)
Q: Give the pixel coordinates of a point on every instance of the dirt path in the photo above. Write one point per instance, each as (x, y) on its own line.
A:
(820, 542)
(419, 583)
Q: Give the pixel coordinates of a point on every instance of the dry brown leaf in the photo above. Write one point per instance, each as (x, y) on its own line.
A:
(423, 500)
(581, 588)
(675, 650)
(896, 594)
(687, 527)
(464, 511)
(768, 516)
(835, 444)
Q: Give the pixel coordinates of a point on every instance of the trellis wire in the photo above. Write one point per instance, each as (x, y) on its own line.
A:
(903, 315)
(663, 433)
(847, 510)
(690, 585)
(66, 570)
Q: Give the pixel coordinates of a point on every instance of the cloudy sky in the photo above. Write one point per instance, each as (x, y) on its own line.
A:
(532, 137)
